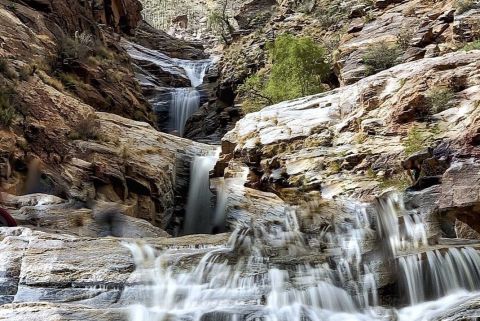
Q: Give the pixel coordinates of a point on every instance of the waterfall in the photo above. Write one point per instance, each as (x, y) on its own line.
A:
(183, 102)
(270, 270)
(199, 216)
(186, 101)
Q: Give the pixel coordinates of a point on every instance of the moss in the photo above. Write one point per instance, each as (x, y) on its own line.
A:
(474, 45)
(399, 182)
(463, 6)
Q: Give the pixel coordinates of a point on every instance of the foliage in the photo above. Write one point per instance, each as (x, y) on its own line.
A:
(439, 99)
(298, 69)
(55, 83)
(474, 45)
(86, 128)
(331, 13)
(80, 47)
(219, 21)
(465, 5)
(6, 69)
(7, 109)
(404, 37)
(380, 56)
(415, 141)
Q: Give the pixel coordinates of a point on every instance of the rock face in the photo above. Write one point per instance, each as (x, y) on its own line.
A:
(349, 141)
(94, 273)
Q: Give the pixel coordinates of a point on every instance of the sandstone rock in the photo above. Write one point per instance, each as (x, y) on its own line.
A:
(57, 268)
(281, 131)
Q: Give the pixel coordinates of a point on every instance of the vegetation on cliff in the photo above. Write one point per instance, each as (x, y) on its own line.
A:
(298, 68)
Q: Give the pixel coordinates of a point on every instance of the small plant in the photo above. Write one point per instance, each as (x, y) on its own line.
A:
(474, 45)
(369, 17)
(360, 138)
(380, 56)
(465, 5)
(7, 109)
(334, 167)
(415, 141)
(439, 99)
(399, 182)
(6, 70)
(404, 37)
(71, 81)
(87, 128)
(25, 72)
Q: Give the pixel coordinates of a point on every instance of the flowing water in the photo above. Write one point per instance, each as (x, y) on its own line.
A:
(182, 102)
(273, 271)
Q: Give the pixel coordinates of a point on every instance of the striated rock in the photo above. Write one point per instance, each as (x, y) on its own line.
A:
(279, 138)
(37, 266)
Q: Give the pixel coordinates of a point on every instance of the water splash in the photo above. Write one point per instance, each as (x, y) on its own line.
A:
(270, 270)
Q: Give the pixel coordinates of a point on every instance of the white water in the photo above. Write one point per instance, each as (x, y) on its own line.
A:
(184, 101)
(199, 218)
(267, 271)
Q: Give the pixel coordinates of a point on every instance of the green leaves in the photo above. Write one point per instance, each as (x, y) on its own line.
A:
(298, 68)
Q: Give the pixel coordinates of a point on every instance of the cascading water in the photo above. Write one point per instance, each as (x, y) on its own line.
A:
(186, 101)
(183, 102)
(199, 213)
(269, 270)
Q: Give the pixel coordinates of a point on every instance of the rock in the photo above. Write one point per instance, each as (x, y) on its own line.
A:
(38, 266)
(281, 132)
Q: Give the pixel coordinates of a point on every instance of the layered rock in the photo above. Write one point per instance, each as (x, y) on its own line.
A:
(349, 141)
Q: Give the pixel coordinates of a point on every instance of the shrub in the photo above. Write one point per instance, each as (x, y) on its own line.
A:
(331, 13)
(399, 182)
(380, 56)
(465, 5)
(439, 99)
(404, 37)
(474, 45)
(86, 128)
(6, 70)
(55, 83)
(7, 109)
(298, 69)
(71, 81)
(26, 72)
(415, 141)
(80, 47)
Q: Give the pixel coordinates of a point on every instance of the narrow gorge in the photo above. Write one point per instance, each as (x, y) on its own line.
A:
(239, 160)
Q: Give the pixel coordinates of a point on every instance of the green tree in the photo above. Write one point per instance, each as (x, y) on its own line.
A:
(298, 68)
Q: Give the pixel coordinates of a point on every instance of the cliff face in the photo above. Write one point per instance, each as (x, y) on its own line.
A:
(70, 106)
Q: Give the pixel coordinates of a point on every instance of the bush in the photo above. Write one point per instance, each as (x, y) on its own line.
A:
(6, 70)
(439, 99)
(298, 69)
(80, 47)
(465, 5)
(7, 109)
(404, 37)
(415, 141)
(380, 56)
(87, 128)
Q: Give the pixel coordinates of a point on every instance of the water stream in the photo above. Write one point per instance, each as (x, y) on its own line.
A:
(272, 271)
(380, 263)
(181, 103)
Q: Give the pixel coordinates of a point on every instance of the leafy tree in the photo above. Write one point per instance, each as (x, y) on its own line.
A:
(298, 68)
(219, 21)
